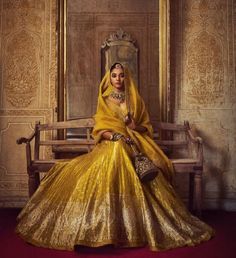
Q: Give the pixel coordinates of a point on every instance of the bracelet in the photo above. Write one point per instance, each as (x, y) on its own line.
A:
(115, 137)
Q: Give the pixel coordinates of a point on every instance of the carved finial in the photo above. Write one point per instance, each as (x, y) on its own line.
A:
(118, 35)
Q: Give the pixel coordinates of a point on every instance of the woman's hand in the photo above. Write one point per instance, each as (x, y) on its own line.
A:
(117, 136)
(129, 121)
(111, 136)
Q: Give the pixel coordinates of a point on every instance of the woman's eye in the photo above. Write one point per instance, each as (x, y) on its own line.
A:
(113, 75)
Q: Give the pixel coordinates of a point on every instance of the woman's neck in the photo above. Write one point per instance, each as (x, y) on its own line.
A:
(118, 95)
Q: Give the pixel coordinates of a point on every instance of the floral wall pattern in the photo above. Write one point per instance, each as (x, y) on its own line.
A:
(27, 86)
(205, 90)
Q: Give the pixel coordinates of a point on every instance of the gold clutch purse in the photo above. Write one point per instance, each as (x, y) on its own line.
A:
(144, 167)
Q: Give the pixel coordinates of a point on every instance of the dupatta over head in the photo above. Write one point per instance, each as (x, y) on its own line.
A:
(106, 120)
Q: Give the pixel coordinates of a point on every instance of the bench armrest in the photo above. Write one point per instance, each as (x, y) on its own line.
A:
(197, 142)
(192, 134)
(193, 138)
(25, 140)
(27, 149)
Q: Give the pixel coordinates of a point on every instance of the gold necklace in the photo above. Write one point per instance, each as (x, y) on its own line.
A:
(120, 96)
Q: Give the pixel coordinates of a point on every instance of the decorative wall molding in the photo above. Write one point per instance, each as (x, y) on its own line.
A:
(21, 68)
(204, 70)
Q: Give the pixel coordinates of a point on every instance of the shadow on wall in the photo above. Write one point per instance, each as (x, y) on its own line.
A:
(216, 163)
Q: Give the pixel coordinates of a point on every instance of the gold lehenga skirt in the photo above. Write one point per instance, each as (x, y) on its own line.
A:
(97, 199)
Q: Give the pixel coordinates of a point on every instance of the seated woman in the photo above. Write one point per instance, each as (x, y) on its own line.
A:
(97, 198)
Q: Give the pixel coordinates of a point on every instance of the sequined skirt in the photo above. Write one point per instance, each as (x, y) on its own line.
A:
(97, 199)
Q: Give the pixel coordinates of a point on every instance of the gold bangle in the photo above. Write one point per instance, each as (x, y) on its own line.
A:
(111, 137)
(116, 137)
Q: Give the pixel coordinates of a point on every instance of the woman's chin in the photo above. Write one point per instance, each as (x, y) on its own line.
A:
(119, 87)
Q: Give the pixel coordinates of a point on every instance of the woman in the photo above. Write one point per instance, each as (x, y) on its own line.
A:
(97, 199)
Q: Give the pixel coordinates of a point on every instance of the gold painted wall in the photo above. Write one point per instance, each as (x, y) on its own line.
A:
(203, 75)
(27, 86)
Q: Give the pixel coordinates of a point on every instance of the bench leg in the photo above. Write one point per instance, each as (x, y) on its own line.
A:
(198, 192)
(191, 192)
(33, 182)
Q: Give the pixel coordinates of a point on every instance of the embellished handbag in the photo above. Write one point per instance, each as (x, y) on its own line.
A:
(144, 167)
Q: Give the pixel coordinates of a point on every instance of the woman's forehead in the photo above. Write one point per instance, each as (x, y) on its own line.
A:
(117, 70)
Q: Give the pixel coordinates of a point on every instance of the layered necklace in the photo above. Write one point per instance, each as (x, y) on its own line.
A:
(120, 96)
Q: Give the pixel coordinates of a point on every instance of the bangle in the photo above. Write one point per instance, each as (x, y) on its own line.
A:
(116, 136)
(111, 137)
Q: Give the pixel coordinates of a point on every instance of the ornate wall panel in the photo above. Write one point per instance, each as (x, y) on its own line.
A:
(21, 87)
(205, 51)
(204, 44)
(27, 88)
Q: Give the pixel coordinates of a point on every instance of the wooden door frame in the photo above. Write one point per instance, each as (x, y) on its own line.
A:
(164, 60)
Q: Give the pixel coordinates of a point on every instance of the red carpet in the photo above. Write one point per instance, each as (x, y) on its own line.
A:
(223, 245)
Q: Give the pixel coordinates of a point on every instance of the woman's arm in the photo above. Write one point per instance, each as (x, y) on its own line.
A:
(111, 136)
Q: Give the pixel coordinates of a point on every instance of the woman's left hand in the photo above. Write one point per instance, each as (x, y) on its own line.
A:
(129, 121)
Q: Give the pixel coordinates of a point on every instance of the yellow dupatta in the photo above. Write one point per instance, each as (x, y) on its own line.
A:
(106, 120)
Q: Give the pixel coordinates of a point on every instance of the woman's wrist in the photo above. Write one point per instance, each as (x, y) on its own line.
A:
(115, 137)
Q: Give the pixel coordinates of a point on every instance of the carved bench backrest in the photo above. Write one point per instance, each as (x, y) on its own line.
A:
(83, 141)
(173, 138)
(167, 139)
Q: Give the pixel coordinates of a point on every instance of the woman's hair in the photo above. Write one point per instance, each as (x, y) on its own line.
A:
(116, 65)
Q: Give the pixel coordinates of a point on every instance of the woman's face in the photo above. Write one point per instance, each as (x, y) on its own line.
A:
(117, 78)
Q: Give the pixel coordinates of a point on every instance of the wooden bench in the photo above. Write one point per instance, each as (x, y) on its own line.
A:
(185, 149)
(170, 142)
